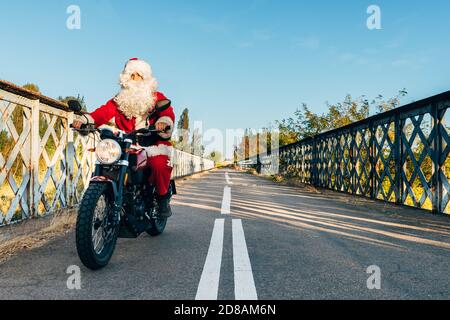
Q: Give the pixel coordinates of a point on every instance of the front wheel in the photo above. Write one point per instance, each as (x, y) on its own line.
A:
(95, 236)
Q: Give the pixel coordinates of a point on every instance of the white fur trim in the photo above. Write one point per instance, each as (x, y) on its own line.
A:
(139, 66)
(168, 120)
(141, 122)
(109, 127)
(159, 150)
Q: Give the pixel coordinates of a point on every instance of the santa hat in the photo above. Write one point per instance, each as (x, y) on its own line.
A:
(138, 66)
(141, 67)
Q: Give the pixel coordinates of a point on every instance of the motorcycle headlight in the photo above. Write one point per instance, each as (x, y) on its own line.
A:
(108, 151)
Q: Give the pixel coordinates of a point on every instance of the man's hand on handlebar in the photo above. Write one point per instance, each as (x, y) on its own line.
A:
(163, 127)
(83, 128)
(77, 124)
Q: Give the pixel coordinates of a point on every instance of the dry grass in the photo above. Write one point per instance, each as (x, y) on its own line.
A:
(291, 182)
(6, 196)
(33, 234)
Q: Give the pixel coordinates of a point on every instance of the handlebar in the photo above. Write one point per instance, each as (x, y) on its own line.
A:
(85, 129)
(88, 128)
(147, 131)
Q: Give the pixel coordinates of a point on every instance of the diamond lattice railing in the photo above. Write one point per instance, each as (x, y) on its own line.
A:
(400, 156)
(444, 161)
(362, 166)
(384, 147)
(418, 168)
(14, 161)
(52, 163)
(82, 166)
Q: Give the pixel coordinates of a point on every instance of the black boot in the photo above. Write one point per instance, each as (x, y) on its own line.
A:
(164, 205)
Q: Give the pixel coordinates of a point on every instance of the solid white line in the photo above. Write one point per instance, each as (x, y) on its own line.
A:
(208, 288)
(227, 178)
(244, 284)
(226, 201)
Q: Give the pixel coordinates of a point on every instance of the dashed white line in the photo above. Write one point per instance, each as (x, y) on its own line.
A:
(227, 178)
(208, 287)
(244, 284)
(226, 201)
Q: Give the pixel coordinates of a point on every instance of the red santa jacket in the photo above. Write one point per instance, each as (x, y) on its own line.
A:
(110, 111)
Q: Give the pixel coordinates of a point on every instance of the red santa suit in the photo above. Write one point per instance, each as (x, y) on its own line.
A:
(160, 152)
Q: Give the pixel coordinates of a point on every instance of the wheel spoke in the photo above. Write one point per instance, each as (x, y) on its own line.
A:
(97, 240)
(99, 219)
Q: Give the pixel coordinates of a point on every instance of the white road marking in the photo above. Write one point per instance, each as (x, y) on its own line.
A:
(208, 288)
(227, 178)
(226, 201)
(244, 284)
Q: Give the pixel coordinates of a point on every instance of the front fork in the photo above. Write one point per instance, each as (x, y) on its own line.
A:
(117, 186)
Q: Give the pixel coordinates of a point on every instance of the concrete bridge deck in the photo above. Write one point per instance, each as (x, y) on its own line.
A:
(295, 243)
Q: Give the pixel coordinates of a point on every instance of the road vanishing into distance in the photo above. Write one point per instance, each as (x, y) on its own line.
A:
(236, 236)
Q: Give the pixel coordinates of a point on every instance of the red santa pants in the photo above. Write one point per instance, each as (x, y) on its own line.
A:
(161, 171)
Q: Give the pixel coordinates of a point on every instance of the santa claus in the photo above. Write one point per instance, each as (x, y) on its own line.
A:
(131, 109)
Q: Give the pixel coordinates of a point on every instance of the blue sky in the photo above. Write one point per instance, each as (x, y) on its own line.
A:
(233, 63)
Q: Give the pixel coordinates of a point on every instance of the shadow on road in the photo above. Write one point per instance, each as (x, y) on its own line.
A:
(357, 219)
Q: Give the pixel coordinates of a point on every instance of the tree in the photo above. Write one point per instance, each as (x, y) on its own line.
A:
(17, 115)
(31, 87)
(254, 142)
(306, 123)
(216, 156)
(197, 147)
(235, 154)
(183, 123)
(183, 131)
(392, 103)
(79, 98)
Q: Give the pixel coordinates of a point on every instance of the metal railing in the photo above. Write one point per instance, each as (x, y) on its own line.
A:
(185, 164)
(44, 165)
(400, 156)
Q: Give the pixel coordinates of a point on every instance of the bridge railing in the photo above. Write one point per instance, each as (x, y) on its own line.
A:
(401, 156)
(185, 164)
(44, 165)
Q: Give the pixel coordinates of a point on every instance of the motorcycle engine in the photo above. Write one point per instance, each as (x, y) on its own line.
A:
(137, 211)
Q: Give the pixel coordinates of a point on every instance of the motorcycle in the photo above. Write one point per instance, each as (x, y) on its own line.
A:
(119, 202)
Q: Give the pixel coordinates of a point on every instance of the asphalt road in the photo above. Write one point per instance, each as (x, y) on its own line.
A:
(237, 236)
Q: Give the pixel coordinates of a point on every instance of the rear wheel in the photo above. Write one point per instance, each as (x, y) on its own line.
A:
(157, 223)
(157, 226)
(95, 237)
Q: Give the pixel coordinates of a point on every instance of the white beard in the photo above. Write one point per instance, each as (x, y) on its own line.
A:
(136, 99)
